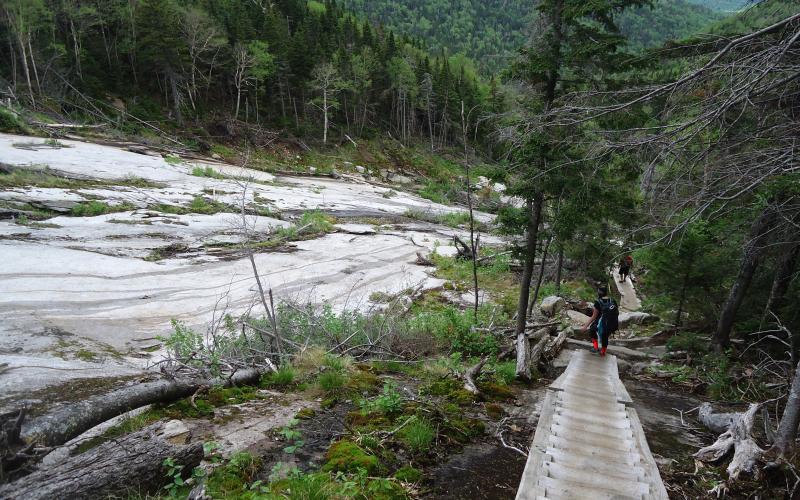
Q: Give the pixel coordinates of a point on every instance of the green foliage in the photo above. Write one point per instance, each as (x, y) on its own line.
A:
(19, 177)
(233, 477)
(505, 372)
(331, 382)
(183, 341)
(716, 369)
(206, 172)
(408, 474)
(454, 327)
(281, 378)
(652, 25)
(316, 222)
(689, 342)
(173, 474)
(492, 30)
(201, 205)
(157, 47)
(689, 271)
(291, 434)
(389, 402)
(11, 123)
(418, 435)
(95, 208)
(324, 486)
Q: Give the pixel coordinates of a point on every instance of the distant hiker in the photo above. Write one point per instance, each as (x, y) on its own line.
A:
(625, 265)
(604, 320)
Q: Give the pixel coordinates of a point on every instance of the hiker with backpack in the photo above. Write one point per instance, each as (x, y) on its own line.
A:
(625, 265)
(604, 320)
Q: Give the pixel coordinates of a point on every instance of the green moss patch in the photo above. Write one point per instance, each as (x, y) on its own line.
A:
(495, 392)
(494, 411)
(346, 456)
(408, 474)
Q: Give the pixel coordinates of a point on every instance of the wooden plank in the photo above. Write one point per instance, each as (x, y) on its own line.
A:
(657, 489)
(533, 467)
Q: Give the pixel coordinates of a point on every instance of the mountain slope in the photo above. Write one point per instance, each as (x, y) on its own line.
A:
(722, 5)
(490, 31)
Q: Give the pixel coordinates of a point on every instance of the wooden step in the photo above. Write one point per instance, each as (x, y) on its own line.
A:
(563, 490)
(610, 448)
(606, 466)
(601, 468)
(559, 426)
(618, 423)
(622, 486)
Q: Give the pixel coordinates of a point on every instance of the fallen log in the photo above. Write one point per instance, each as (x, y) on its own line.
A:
(736, 436)
(130, 464)
(541, 337)
(68, 421)
(555, 344)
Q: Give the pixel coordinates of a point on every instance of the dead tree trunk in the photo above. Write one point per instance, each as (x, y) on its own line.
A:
(737, 429)
(68, 421)
(751, 257)
(523, 355)
(787, 430)
(539, 279)
(131, 464)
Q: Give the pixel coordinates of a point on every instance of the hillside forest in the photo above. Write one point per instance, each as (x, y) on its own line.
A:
(545, 140)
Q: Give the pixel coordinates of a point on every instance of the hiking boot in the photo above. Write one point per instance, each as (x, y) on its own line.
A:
(594, 350)
(603, 352)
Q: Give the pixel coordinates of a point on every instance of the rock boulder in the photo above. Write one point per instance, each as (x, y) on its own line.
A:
(552, 305)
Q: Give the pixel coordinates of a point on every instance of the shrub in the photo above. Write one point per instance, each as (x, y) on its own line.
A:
(335, 362)
(331, 382)
(233, 478)
(505, 372)
(418, 435)
(95, 208)
(200, 205)
(717, 373)
(454, 219)
(390, 402)
(687, 341)
(10, 123)
(317, 222)
(207, 172)
(283, 377)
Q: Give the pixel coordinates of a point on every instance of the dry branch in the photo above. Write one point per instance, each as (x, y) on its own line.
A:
(472, 374)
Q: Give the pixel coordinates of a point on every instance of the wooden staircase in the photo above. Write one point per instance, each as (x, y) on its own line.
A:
(589, 443)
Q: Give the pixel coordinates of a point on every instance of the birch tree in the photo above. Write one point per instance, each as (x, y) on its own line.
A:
(327, 82)
(22, 17)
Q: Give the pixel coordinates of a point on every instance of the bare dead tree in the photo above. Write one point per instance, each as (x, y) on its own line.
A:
(472, 241)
